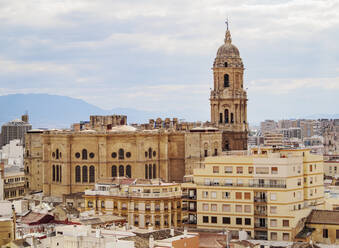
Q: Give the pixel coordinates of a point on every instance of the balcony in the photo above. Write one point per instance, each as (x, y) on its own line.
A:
(258, 199)
(260, 212)
(260, 225)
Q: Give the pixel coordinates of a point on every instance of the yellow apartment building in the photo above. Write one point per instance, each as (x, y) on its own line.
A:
(265, 192)
(14, 183)
(143, 202)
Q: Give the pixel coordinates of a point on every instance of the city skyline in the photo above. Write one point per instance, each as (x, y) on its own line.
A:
(111, 55)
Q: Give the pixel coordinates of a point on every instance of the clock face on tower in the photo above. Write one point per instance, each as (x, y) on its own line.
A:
(228, 98)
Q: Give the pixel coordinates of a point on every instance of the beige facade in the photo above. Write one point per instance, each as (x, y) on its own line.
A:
(14, 183)
(142, 202)
(73, 161)
(265, 193)
(33, 160)
(228, 98)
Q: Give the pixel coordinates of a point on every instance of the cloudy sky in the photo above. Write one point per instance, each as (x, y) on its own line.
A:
(157, 55)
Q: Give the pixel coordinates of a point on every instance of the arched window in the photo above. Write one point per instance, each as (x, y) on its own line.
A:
(226, 116)
(226, 64)
(114, 171)
(220, 118)
(150, 171)
(128, 171)
(154, 171)
(232, 118)
(150, 152)
(53, 172)
(226, 81)
(91, 174)
(57, 153)
(77, 174)
(60, 174)
(57, 173)
(84, 174)
(121, 153)
(84, 154)
(121, 171)
(146, 171)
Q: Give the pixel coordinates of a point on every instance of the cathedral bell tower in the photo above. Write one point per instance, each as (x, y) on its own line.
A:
(228, 98)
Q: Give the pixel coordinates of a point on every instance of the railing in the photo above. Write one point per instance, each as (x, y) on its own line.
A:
(134, 194)
(259, 225)
(252, 185)
(257, 199)
(262, 213)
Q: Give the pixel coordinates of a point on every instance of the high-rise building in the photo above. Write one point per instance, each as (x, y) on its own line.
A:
(15, 129)
(228, 98)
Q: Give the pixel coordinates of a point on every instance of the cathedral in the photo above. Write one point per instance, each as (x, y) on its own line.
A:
(68, 161)
(228, 98)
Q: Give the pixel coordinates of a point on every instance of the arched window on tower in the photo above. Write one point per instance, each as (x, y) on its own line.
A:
(220, 118)
(91, 174)
(121, 154)
(146, 171)
(226, 81)
(77, 174)
(53, 172)
(57, 173)
(226, 64)
(154, 171)
(128, 171)
(232, 118)
(150, 152)
(84, 154)
(114, 171)
(226, 116)
(84, 174)
(60, 174)
(57, 153)
(150, 171)
(121, 171)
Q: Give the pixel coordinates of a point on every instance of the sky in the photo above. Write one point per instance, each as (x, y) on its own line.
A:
(157, 55)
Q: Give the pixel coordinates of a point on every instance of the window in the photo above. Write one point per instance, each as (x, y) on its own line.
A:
(226, 116)
(240, 182)
(77, 174)
(214, 219)
(215, 169)
(220, 117)
(239, 170)
(90, 204)
(299, 182)
(273, 222)
(84, 154)
(286, 236)
(262, 170)
(238, 195)
(232, 118)
(121, 154)
(114, 171)
(325, 233)
(250, 170)
(57, 173)
(274, 170)
(247, 208)
(273, 209)
(205, 153)
(228, 169)
(226, 220)
(205, 194)
(84, 174)
(274, 236)
(226, 195)
(238, 221)
(114, 155)
(150, 171)
(205, 207)
(337, 234)
(57, 153)
(146, 171)
(273, 196)
(60, 173)
(53, 173)
(226, 208)
(247, 221)
(286, 223)
(91, 155)
(128, 154)
(129, 171)
(150, 152)
(205, 219)
(225, 64)
(214, 194)
(121, 171)
(214, 207)
(215, 152)
(247, 195)
(226, 81)
(154, 153)
(102, 204)
(238, 208)
(77, 155)
(91, 174)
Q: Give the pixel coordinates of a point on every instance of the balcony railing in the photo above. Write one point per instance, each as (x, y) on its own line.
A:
(260, 225)
(258, 199)
(251, 185)
(261, 213)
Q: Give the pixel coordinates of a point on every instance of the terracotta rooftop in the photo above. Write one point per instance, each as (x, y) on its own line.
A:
(36, 218)
(323, 217)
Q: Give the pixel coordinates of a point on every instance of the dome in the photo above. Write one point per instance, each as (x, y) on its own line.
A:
(228, 49)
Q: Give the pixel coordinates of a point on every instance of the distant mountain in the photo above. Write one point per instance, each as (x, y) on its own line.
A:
(52, 111)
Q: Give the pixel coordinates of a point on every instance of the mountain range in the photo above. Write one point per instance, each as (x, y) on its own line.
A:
(54, 111)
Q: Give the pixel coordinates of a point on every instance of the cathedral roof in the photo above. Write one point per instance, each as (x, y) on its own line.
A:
(228, 49)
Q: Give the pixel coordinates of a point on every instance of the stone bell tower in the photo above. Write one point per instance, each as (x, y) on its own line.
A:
(228, 98)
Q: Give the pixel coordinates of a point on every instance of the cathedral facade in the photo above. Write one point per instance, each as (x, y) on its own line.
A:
(228, 98)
